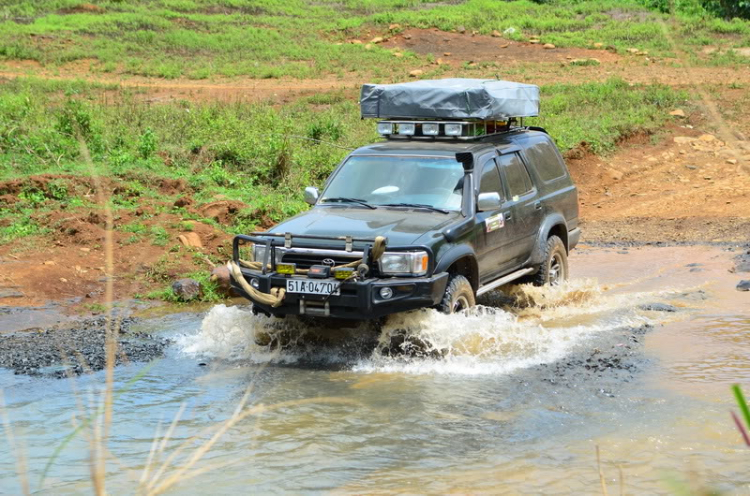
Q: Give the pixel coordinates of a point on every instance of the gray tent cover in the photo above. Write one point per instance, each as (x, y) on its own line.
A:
(484, 99)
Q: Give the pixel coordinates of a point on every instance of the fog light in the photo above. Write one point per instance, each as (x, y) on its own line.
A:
(430, 129)
(254, 283)
(406, 128)
(386, 293)
(453, 129)
(385, 128)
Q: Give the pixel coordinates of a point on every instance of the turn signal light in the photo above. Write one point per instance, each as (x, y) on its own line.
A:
(343, 272)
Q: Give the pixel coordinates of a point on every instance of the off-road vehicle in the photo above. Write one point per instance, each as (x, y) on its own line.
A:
(459, 199)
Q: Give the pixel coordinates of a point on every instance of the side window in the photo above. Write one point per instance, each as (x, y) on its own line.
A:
(519, 182)
(545, 160)
(490, 181)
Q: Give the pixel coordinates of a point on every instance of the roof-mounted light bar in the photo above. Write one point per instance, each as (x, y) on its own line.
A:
(443, 129)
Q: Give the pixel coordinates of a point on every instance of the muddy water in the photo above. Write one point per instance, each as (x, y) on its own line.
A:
(635, 354)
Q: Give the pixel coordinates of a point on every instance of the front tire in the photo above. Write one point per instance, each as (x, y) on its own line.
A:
(459, 295)
(554, 269)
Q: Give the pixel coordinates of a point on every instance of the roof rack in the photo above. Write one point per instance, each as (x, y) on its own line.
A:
(463, 130)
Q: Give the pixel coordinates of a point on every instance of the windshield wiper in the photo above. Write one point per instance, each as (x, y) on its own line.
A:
(416, 205)
(342, 199)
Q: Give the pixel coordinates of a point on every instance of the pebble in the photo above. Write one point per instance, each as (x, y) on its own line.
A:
(743, 285)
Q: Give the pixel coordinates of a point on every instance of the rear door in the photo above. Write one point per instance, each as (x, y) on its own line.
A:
(524, 205)
(494, 240)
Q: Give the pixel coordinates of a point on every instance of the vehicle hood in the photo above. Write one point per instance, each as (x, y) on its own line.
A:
(400, 225)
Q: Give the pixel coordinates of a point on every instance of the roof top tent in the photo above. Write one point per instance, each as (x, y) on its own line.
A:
(457, 108)
(481, 99)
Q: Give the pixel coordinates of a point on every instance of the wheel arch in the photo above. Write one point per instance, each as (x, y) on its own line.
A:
(463, 261)
(554, 225)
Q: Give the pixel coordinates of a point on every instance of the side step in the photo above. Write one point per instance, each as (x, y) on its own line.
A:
(503, 280)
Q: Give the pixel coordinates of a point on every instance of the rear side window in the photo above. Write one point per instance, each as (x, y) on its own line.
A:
(545, 160)
(490, 181)
(519, 182)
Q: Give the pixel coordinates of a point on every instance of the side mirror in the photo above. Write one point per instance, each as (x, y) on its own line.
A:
(488, 201)
(311, 195)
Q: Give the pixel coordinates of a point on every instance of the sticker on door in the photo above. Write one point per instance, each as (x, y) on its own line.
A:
(495, 222)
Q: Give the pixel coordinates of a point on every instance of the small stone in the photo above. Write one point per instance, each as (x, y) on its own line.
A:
(658, 307)
(221, 276)
(183, 202)
(187, 289)
(398, 54)
(534, 42)
(683, 140)
(376, 40)
(677, 113)
(548, 46)
(504, 45)
(85, 250)
(461, 29)
(447, 54)
(50, 262)
(598, 45)
(191, 240)
(496, 34)
(732, 161)
(394, 27)
(368, 46)
(439, 61)
(707, 137)
(407, 36)
(356, 42)
(632, 50)
(63, 280)
(743, 285)
(416, 73)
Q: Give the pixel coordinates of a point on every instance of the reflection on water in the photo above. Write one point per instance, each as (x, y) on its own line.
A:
(525, 386)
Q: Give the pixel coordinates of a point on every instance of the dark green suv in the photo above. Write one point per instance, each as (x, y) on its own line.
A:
(411, 223)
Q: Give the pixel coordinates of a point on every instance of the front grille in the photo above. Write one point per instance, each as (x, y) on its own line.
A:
(305, 261)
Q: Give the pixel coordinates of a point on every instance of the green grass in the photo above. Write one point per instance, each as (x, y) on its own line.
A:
(259, 154)
(305, 38)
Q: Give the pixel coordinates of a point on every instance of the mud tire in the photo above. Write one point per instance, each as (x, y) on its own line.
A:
(554, 269)
(459, 295)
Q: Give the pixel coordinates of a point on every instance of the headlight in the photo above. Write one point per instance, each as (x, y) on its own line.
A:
(259, 253)
(407, 263)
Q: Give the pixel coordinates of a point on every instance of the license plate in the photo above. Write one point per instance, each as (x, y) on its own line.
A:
(310, 286)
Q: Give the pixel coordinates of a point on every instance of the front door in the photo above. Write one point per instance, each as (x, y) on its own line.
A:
(494, 241)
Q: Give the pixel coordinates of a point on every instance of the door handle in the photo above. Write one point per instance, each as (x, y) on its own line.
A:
(538, 205)
(508, 216)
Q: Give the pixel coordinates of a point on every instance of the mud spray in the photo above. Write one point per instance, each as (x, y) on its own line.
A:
(523, 327)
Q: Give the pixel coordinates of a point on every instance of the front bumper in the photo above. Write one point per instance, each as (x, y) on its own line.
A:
(359, 300)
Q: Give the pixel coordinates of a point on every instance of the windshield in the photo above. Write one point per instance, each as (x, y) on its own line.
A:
(379, 180)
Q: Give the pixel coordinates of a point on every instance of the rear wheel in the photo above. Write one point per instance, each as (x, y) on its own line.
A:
(459, 295)
(554, 268)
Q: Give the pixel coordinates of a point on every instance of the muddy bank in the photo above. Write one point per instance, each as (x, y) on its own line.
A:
(76, 348)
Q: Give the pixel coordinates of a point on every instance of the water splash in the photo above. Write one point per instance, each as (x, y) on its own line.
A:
(524, 327)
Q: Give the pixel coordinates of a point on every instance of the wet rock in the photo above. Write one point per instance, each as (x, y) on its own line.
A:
(658, 307)
(187, 289)
(75, 349)
(743, 285)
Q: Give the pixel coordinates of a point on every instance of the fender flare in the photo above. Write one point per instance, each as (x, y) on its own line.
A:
(551, 221)
(456, 253)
